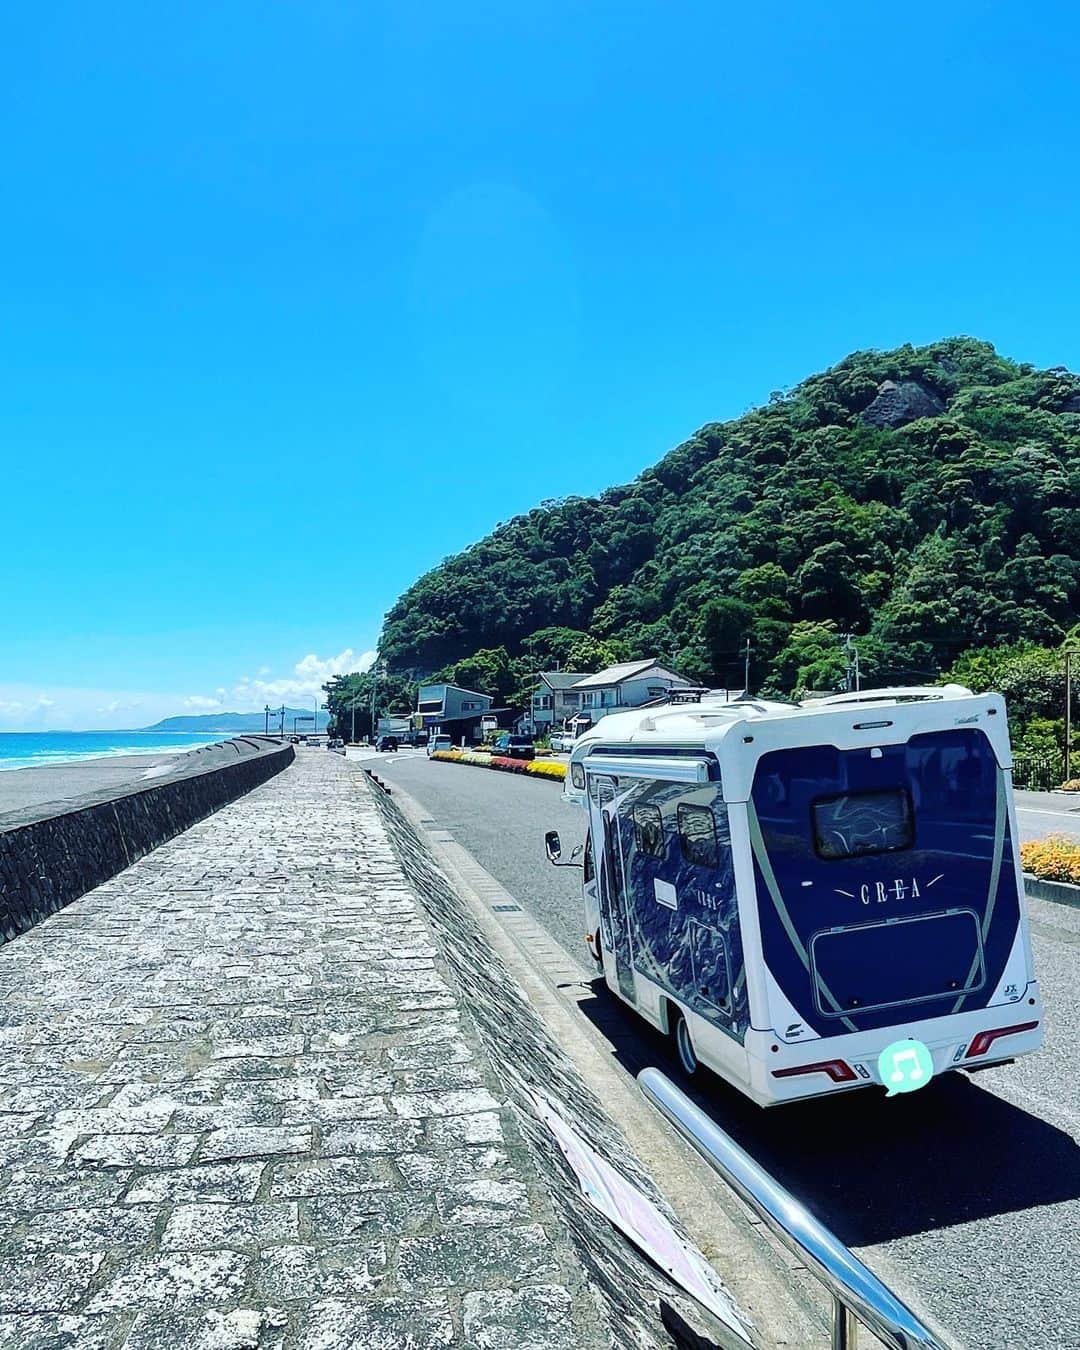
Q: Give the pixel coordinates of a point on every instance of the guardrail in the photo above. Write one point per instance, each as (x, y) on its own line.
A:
(857, 1293)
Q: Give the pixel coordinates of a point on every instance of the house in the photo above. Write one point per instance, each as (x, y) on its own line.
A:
(627, 685)
(554, 702)
(444, 702)
(463, 714)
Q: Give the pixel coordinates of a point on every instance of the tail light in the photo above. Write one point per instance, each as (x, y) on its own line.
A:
(985, 1039)
(837, 1069)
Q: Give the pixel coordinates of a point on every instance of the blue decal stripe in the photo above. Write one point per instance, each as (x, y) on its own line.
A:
(761, 857)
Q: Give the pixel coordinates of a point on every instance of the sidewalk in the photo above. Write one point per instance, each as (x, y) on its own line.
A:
(240, 1107)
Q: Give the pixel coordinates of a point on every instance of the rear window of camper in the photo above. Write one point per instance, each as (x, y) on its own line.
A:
(648, 830)
(857, 823)
(697, 835)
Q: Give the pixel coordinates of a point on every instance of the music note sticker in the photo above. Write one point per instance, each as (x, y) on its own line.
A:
(905, 1066)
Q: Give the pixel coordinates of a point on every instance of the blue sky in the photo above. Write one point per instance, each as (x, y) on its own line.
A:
(269, 271)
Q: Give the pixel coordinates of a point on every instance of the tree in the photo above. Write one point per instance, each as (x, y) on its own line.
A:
(813, 660)
(725, 627)
(488, 671)
(550, 648)
(591, 654)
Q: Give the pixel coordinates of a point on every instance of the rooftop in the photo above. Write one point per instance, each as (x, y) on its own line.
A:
(563, 679)
(624, 671)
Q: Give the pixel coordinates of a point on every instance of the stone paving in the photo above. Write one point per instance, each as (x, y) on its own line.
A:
(241, 1107)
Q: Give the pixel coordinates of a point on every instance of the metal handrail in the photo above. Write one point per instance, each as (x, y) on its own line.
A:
(857, 1293)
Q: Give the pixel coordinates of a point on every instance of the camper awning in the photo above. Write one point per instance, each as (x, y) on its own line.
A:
(673, 769)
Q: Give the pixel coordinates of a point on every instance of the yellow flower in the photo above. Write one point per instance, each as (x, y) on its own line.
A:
(1055, 858)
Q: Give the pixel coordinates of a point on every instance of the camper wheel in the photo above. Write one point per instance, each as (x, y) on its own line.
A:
(684, 1047)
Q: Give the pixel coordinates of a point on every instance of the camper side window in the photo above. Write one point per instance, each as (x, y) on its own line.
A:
(648, 831)
(697, 835)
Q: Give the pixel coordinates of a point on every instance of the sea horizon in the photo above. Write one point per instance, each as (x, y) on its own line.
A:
(33, 749)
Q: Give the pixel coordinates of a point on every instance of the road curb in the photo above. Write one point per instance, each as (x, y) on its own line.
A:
(1060, 892)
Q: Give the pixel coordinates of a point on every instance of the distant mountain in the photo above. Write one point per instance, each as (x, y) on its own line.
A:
(233, 722)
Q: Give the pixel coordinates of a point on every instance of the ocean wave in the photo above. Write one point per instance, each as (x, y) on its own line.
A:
(46, 758)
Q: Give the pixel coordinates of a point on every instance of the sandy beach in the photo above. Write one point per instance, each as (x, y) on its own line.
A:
(59, 787)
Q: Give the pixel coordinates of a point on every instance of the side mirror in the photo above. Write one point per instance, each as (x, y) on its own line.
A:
(553, 846)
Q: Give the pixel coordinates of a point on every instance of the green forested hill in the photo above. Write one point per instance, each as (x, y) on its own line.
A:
(936, 514)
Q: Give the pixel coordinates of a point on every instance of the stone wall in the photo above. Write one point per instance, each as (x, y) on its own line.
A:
(47, 863)
(643, 1308)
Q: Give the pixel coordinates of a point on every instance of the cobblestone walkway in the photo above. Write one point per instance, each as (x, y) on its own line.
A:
(241, 1107)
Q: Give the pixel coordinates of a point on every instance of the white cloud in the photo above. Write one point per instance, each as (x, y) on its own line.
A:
(31, 708)
(308, 676)
(65, 708)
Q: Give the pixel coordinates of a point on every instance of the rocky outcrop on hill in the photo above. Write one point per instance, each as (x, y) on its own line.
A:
(898, 404)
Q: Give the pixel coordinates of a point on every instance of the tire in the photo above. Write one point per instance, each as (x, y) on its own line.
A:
(684, 1046)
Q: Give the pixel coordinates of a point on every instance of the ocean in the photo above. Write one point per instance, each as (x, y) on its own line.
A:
(26, 749)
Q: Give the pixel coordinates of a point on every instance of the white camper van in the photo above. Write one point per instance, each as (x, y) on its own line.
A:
(797, 892)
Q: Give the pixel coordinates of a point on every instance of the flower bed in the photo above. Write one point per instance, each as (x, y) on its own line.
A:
(530, 767)
(1055, 858)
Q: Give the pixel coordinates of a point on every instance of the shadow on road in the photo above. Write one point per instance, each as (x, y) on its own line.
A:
(870, 1167)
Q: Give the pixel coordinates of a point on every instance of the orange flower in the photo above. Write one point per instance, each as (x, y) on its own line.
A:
(1055, 858)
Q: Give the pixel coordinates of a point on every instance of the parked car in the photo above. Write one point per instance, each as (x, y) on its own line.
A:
(439, 742)
(386, 743)
(562, 741)
(515, 747)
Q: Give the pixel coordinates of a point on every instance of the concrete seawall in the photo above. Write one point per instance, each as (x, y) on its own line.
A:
(47, 861)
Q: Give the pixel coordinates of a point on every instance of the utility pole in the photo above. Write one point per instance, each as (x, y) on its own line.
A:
(374, 686)
(266, 720)
(1068, 713)
(281, 728)
(746, 671)
(852, 678)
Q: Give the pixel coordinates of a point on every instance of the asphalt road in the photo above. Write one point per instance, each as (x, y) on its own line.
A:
(1042, 813)
(965, 1197)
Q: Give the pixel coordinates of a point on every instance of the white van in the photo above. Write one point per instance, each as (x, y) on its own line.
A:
(439, 741)
(812, 898)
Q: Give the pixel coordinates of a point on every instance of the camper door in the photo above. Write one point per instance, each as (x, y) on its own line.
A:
(614, 916)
